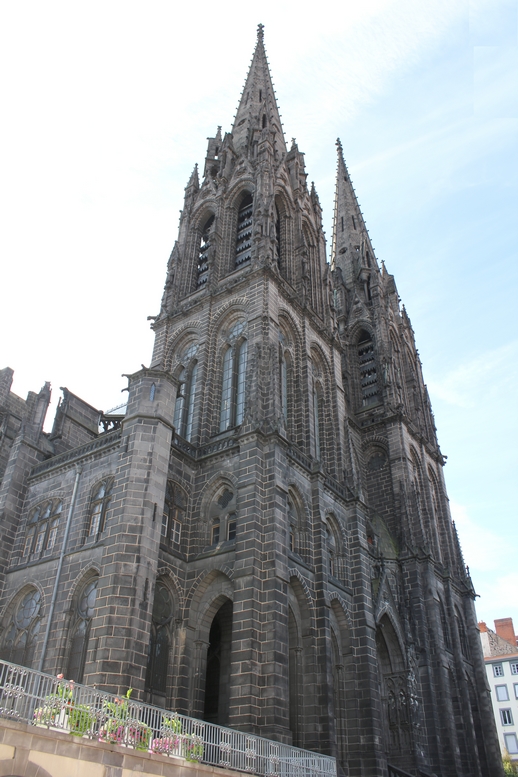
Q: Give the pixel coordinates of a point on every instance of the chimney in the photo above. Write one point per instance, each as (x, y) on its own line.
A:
(505, 629)
(482, 627)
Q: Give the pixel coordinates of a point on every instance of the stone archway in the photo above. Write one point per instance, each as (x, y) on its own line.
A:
(217, 672)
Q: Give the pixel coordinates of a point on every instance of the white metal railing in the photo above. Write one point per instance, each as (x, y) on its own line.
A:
(52, 702)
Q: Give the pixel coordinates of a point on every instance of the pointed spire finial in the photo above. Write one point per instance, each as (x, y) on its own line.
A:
(194, 179)
(257, 109)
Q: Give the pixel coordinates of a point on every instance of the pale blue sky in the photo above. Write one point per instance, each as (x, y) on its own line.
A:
(106, 108)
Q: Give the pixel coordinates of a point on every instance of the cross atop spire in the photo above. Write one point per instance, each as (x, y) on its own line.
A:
(258, 110)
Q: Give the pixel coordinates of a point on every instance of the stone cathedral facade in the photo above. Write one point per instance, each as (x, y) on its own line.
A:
(261, 538)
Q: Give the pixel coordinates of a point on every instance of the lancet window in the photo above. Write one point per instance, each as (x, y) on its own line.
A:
(445, 626)
(184, 406)
(99, 507)
(203, 253)
(42, 528)
(244, 230)
(173, 515)
(298, 539)
(84, 611)
(159, 642)
(233, 379)
(463, 637)
(368, 372)
(317, 417)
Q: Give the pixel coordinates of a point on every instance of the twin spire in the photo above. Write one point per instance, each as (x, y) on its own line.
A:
(258, 113)
(351, 248)
(257, 109)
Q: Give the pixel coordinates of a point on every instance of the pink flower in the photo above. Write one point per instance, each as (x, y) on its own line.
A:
(60, 676)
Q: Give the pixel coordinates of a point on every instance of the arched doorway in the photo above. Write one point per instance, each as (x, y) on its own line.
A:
(394, 696)
(217, 675)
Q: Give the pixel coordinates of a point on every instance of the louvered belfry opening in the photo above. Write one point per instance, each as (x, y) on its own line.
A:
(244, 231)
(368, 375)
(203, 255)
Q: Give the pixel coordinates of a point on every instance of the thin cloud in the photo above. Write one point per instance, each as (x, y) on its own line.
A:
(487, 376)
(481, 547)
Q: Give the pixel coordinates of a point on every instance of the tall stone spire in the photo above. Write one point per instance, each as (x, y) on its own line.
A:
(258, 110)
(351, 248)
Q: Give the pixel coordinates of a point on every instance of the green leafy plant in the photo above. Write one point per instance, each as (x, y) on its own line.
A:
(170, 740)
(118, 728)
(193, 747)
(80, 719)
(510, 766)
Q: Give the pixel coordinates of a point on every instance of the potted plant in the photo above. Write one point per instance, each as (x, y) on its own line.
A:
(56, 706)
(119, 729)
(170, 740)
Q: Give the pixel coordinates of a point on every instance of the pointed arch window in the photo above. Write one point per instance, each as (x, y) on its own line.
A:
(159, 642)
(223, 518)
(444, 626)
(22, 630)
(42, 528)
(298, 539)
(283, 369)
(278, 237)
(173, 516)
(85, 609)
(233, 380)
(464, 642)
(203, 252)
(244, 230)
(100, 502)
(184, 405)
(368, 372)
(317, 419)
(331, 552)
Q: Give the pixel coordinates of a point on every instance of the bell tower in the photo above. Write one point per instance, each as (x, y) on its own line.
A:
(322, 598)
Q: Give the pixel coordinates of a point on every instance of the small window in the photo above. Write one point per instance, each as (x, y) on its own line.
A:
(502, 693)
(222, 518)
(506, 717)
(101, 500)
(173, 514)
(514, 667)
(516, 690)
(231, 527)
(511, 743)
(498, 670)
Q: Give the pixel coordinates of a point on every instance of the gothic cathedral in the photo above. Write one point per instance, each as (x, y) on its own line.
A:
(261, 538)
